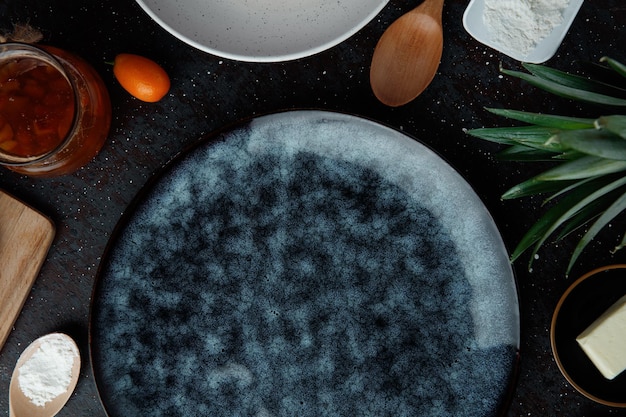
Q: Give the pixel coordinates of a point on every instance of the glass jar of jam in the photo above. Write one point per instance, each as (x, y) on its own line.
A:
(55, 111)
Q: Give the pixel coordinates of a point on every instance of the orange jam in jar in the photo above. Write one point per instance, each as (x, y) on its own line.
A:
(55, 111)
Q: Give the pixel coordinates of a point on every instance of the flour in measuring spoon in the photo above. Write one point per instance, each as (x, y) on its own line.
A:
(48, 373)
(519, 25)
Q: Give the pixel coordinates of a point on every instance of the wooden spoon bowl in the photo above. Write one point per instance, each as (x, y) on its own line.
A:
(20, 405)
(407, 55)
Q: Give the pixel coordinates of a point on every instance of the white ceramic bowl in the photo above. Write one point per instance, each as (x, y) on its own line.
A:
(262, 30)
(544, 50)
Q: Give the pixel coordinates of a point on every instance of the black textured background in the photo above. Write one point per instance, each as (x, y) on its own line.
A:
(209, 92)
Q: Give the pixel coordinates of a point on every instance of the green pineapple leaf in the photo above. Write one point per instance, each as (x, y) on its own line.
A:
(569, 80)
(586, 185)
(568, 155)
(621, 245)
(592, 210)
(537, 137)
(572, 211)
(522, 153)
(545, 120)
(597, 182)
(584, 167)
(540, 228)
(566, 91)
(537, 231)
(615, 124)
(616, 65)
(613, 211)
(580, 219)
(533, 186)
(595, 142)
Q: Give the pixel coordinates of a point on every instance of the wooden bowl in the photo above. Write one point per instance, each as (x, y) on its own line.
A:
(583, 302)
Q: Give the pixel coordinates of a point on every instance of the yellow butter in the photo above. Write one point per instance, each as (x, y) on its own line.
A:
(604, 341)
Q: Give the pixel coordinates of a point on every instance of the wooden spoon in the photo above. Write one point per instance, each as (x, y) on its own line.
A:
(408, 54)
(19, 404)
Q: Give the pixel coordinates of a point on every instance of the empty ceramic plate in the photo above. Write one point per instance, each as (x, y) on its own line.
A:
(526, 30)
(306, 264)
(262, 30)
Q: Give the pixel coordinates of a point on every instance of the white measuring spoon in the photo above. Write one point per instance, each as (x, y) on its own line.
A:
(22, 406)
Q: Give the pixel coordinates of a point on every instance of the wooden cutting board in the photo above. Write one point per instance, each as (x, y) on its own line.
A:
(25, 238)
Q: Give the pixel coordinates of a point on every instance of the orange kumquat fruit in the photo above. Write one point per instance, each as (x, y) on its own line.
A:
(141, 77)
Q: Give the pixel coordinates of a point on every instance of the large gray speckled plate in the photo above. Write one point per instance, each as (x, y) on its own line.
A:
(306, 264)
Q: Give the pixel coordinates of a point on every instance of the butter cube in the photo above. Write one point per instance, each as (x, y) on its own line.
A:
(604, 341)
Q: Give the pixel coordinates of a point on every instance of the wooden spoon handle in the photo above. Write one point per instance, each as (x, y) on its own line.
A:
(433, 8)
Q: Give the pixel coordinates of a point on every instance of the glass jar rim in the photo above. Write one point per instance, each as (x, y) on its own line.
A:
(12, 50)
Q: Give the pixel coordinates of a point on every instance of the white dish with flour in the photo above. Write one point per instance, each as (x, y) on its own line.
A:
(526, 30)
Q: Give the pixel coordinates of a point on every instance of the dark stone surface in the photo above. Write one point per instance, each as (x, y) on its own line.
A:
(209, 92)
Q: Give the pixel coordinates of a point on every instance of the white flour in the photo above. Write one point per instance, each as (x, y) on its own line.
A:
(519, 25)
(48, 373)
